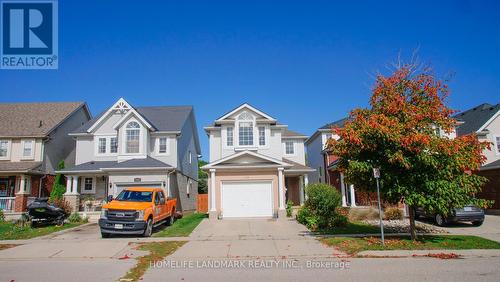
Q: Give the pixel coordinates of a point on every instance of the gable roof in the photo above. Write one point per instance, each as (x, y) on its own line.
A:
(291, 134)
(475, 119)
(327, 127)
(338, 123)
(35, 119)
(248, 106)
(162, 118)
(261, 157)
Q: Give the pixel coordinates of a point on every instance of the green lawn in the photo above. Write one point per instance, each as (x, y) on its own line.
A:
(355, 227)
(157, 252)
(9, 231)
(441, 242)
(182, 227)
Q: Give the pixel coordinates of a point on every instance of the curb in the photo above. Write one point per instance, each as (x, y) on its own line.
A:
(471, 253)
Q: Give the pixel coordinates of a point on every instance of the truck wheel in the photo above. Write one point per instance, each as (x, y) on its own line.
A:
(149, 228)
(170, 220)
(105, 235)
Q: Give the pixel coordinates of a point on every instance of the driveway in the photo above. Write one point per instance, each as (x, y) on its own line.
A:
(61, 257)
(252, 238)
(490, 228)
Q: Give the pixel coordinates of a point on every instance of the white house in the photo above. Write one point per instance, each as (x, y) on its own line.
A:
(135, 147)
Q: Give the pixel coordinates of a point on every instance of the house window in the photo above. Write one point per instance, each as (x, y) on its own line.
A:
(113, 144)
(190, 157)
(229, 138)
(246, 134)
(132, 138)
(102, 146)
(262, 136)
(289, 149)
(88, 185)
(28, 148)
(4, 148)
(498, 144)
(162, 145)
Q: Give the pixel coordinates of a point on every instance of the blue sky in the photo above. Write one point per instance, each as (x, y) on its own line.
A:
(304, 62)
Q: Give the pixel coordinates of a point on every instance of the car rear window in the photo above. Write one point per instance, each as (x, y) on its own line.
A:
(135, 196)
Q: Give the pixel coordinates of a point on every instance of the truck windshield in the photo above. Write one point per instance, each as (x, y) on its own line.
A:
(135, 196)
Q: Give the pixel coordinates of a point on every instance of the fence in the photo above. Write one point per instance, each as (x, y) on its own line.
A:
(202, 203)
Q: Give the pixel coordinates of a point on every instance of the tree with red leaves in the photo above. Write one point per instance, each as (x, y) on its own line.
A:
(407, 133)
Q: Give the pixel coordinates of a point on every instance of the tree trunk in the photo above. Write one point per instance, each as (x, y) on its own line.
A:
(413, 230)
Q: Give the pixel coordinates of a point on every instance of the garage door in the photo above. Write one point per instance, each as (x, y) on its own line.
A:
(247, 199)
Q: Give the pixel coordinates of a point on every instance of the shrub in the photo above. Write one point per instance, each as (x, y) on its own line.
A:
(320, 209)
(64, 205)
(393, 213)
(58, 189)
(305, 217)
(289, 205)
(357, 214)
(75, 217)
(2, 216)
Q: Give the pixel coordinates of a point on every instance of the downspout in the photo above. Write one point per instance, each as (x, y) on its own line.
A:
(40, 185)
(169, 192)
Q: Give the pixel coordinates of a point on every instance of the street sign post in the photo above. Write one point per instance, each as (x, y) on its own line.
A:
(376, 174)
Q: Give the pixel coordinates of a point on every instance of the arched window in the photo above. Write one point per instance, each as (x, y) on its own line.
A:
(245, 129)
(132, 132)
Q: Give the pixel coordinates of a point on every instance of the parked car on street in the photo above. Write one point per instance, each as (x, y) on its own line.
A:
(137, 211)
(468, 213)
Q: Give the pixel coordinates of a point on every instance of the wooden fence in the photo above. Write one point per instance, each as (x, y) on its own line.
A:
(202, 203)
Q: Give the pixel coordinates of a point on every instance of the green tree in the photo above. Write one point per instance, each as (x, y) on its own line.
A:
(202, 178)
(58, 188)
(402, 134)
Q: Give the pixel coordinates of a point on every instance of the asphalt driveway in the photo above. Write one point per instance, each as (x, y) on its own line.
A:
(489, 230)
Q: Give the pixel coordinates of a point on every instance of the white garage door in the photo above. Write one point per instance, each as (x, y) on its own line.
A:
(247, 199)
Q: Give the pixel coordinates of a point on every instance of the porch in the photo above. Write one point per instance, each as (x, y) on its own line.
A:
(17, 191)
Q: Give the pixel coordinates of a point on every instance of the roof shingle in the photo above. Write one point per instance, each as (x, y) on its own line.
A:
(476, 117)
(33, 119)
(162, 118)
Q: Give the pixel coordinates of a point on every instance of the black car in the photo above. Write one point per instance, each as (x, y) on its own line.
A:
(468, 213)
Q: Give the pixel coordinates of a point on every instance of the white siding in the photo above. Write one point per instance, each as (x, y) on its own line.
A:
(494, 131)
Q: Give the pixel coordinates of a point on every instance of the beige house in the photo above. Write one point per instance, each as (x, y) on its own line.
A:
(33, 140)
(256, 165)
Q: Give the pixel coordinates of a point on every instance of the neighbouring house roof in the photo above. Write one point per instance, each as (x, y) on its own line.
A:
(162, 118)
(21, 167)
(327, 127)
(474, 119)
(35, 119)
(338, 123)
(133, 164)
(290, 133)
(493, 165)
